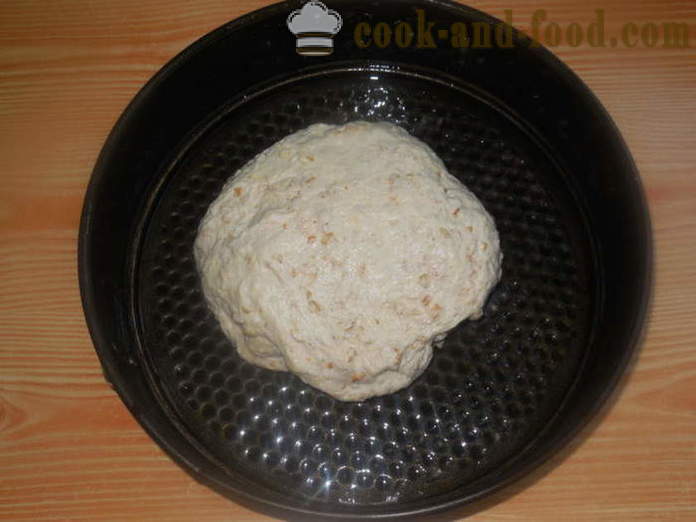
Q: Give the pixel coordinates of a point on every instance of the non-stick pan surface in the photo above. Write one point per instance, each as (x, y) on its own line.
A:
(513, 124)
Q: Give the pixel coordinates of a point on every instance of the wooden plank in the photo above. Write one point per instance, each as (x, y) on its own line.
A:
(69, 450)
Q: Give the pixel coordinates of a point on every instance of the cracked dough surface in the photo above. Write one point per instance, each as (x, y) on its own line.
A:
(343, 254)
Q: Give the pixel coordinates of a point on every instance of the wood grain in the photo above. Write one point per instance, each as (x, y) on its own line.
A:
(69, 450)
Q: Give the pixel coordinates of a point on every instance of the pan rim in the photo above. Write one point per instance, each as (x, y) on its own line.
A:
(86, 280)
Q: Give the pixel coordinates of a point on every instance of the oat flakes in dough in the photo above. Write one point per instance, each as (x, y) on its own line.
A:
(342, 254)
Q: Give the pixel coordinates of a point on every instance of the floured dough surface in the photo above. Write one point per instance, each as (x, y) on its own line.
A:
(342, 254)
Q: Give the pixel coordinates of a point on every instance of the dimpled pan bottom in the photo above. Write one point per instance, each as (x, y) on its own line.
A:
(485, 391)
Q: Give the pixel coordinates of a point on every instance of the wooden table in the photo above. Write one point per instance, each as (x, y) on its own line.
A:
(69, 450)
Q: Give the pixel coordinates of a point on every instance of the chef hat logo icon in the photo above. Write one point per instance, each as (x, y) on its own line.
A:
(314, 25)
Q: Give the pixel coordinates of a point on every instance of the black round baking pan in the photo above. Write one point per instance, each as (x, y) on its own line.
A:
(504, 392)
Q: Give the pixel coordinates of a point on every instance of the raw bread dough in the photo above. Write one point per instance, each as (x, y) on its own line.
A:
(342, 254)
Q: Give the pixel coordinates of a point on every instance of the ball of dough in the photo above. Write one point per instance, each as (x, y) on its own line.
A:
(343, 254)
